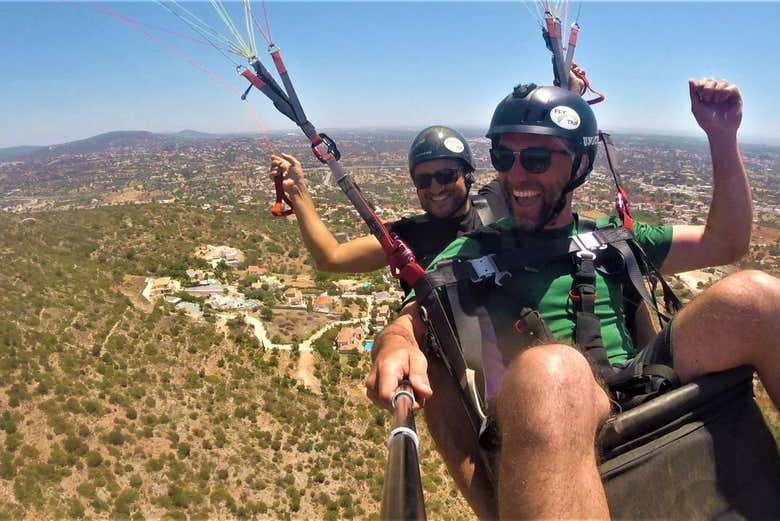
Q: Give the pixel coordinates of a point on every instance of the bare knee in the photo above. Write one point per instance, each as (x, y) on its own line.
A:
(549, 393)
(748, 291)
(732, 323)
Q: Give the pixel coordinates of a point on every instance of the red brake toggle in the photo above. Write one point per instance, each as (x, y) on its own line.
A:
(580, 73)
(624, 209)
(281, 197)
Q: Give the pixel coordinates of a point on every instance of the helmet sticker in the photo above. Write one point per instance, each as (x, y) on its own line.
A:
(565, 117)
(454, 145)
(590, 140)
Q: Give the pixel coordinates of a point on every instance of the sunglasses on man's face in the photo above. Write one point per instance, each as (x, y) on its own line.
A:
(444, 176)
(535, 160)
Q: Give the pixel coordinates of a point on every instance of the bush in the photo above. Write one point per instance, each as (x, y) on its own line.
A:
(154, 465)
(94, 459)
(72, 405)
(27, 491)
(74, 445)
(183, 497)
(16, 394)
(124, 500)
(115, 437)
(93, 407)
(7, 422)
(7, 466)
(75, 508)
(221, 495)
(13, 441)
(183, 450)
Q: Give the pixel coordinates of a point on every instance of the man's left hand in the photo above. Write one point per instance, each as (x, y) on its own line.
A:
(717, 106)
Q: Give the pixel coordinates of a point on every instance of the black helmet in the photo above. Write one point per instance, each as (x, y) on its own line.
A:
(549, 111)
(439, 142)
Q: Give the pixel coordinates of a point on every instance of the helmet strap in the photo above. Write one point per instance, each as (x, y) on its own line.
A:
(469, 179)
(570, 186)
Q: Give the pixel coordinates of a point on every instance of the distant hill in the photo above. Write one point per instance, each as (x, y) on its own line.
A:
(120, 139)
(132, 139)
(19, 153)
(193, 134)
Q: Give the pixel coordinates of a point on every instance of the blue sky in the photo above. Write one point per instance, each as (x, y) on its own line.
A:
(70, 72)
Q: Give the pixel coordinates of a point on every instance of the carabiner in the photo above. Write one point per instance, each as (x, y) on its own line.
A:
(331, 150)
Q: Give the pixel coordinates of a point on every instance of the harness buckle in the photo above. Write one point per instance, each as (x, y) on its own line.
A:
(485, 267)
(587, 244)
(586, 255)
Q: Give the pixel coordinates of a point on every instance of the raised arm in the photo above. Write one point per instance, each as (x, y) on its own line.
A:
(396, 355)
(717, 107)
(358, 255)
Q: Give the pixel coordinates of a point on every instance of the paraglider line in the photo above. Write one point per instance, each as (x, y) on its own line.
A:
(260, 128)
(267, 23)
(167, 46)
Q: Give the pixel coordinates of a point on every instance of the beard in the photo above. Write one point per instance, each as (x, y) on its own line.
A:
(528, 218)
(454, 203)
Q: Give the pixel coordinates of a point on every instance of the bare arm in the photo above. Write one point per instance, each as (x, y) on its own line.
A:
(358, 255)
(717, 106)
(397, 355)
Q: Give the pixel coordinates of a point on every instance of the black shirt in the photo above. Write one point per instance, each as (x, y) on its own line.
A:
(427, 236)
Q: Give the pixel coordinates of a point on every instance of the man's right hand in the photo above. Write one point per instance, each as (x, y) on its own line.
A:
(397, 356)
(291, 172)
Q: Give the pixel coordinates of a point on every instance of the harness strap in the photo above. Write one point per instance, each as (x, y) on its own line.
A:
(634, 274)
(443, 341)
(484, 211)
(446, 338)
(466, 317)
(587, 326)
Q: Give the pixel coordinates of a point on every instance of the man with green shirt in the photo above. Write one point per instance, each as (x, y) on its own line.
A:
(543, 397)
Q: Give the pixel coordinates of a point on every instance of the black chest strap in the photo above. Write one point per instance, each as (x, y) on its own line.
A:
(483, 209)
(587, 326)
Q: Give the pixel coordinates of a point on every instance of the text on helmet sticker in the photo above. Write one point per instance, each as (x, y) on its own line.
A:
(454, 145)
(565, 117)
(590, 141)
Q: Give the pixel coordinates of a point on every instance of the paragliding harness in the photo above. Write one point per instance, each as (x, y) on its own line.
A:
(450, 298)
(453, 308)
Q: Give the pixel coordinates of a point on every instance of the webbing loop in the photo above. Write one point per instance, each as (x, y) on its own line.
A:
(281, 197)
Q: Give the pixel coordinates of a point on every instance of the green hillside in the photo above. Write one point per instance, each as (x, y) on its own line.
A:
(113, 410)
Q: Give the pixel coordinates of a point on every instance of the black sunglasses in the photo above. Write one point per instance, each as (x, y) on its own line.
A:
(535, 160)
(444, 176)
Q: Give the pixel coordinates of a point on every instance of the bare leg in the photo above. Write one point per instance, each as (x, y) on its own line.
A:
(457, 443)
(735, 322)
(549, 408)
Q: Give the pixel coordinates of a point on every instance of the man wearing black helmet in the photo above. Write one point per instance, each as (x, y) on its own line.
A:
(441, 165)
(542, 404)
